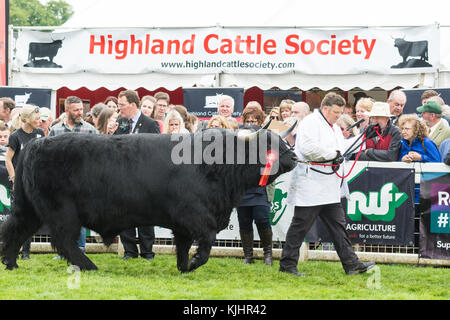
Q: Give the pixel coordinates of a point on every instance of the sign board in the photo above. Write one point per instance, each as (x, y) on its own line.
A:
(22, 96)
(270, 50)
(203, 102)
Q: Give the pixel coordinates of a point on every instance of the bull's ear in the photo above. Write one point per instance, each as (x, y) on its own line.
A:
(288, 131)
(247, 135)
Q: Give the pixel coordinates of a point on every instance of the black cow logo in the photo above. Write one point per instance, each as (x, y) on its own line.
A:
(39, 51)
(416, 50)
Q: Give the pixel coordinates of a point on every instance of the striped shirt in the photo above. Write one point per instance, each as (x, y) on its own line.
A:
(62, 127)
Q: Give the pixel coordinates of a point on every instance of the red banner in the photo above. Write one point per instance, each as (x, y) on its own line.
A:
(4, 14)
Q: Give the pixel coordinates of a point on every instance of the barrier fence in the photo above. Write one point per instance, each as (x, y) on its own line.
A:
(396, 213)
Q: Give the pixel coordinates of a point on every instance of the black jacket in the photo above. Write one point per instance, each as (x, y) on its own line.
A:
(144, 125)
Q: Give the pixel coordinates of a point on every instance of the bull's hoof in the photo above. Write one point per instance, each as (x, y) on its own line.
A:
(12, 266)
(193, 264)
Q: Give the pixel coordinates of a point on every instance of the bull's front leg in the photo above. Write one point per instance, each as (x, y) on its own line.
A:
(204, 249)
(183, 244)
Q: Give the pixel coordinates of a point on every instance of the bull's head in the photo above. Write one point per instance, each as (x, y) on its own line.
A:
(270, 143)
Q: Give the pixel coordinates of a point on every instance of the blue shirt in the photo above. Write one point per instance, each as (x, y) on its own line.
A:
(430, 154)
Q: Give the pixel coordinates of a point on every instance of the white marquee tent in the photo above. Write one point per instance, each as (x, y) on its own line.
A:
(255, 13)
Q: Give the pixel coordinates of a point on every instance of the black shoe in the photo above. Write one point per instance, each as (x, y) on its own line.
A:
(126, 257)
(293, 271)
(360, 267)
(149, 258)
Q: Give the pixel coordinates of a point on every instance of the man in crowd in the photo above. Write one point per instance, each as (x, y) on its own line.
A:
(6, 106)
(386, 145)
(225, 108)
(133, 121)
(162, 105)
(317, 194)
(396, 101)
(427, 94)
(432, 115)
(74, 123)
(300, 110)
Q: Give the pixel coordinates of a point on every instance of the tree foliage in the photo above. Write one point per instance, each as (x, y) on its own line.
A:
(34, 13)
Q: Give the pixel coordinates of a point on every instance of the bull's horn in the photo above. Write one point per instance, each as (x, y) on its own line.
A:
(247, 137)
(267, 124)
(288, 131)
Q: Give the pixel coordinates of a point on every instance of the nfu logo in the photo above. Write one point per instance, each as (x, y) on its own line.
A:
(378, 206)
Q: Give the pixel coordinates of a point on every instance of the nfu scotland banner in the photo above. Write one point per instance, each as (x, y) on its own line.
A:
(380, 209)
(230, 50)
(435, 216)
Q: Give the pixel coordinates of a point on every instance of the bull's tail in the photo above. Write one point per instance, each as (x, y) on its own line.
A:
(21, 224)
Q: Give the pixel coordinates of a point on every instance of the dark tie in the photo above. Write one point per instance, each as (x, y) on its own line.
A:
(130, 125)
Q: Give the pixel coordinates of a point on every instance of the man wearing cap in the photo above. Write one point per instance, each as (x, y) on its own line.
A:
(386, 145)
(46, 120)
(432, 115)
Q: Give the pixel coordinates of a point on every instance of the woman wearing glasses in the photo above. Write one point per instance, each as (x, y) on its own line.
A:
(416, 146)
(30, 119)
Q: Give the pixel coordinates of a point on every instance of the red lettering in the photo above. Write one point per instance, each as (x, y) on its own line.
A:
(206, 43)
(333, 44)
(238, 42)
(344, 44)
(158, 48)
(121, 49)
(292, 44)
(270, 44)
(319, 46)
(101, 43)
(311, 46)
(134, 42)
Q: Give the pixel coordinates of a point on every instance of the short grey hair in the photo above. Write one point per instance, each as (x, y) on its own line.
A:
(223, 98)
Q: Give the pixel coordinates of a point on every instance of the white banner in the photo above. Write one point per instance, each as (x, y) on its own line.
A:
(229, 50)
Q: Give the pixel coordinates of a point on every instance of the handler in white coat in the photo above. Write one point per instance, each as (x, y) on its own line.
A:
(313, 193)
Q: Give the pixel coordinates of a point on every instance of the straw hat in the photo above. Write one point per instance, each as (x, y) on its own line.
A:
(380, 109)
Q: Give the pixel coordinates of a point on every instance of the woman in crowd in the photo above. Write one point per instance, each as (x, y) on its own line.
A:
(106, 123)
(173, 123)
(255, 205)
(147, 105)
(30, 119)
(344, 122)
(286, 109)
(112, 102)
(363, 106)
(218, 122)
(416, 146)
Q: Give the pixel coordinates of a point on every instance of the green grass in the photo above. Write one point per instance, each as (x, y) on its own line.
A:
(221, 278)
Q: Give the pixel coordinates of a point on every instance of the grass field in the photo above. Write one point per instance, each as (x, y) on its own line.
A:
(221, 278)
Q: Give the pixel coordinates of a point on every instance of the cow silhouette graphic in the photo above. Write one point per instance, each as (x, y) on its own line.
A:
(416, 50)
(38, 51)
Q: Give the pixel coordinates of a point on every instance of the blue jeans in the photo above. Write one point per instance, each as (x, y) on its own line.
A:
(82, 239)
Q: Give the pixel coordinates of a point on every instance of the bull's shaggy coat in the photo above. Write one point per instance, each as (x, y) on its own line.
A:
(113, 183)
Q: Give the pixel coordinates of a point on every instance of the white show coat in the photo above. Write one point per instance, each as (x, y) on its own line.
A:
(316, 140)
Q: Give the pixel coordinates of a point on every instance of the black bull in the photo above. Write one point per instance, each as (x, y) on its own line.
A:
(113, 183)
(408, 49)
(41, 50)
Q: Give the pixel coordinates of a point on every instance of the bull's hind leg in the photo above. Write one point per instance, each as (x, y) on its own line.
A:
(65, 243)
(15, 231)
(183, 244)
(65, 231)
(204, 249)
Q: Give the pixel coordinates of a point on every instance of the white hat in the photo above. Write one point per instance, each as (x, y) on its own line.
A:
(380, 109)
